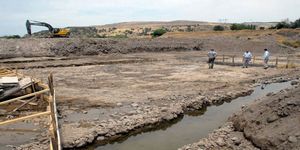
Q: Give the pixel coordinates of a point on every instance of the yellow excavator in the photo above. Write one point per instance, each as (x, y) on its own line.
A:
(54, 32)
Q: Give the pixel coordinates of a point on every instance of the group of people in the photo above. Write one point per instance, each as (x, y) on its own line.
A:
(212, 54)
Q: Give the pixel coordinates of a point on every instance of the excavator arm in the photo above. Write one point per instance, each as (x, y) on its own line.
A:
(55, 32)
(37, 23)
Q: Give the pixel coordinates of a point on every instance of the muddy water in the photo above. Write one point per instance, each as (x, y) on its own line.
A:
(17, 134)
(191, 127)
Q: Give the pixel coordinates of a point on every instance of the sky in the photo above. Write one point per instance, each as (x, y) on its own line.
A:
(63, 13)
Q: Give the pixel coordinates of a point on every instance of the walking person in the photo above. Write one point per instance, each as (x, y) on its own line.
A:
(247, 58)
(212, 54)
(266, 58)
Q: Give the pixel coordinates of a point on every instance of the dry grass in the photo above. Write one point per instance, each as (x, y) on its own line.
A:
(239, 33)
(292, 43)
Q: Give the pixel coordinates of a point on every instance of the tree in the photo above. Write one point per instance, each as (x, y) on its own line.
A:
(158, 32)
(296, 24)
(282, 24)
(219, 28)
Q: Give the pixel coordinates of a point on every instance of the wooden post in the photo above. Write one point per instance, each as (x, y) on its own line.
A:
(233, 59)
(223, 58)
(287, 62)
(54, 129)
(276, 62)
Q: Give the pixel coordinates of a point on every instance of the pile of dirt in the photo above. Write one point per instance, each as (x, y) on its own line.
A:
(228, 43)
(33, 47)
(223, 138)
(272, 123)
(83, 32)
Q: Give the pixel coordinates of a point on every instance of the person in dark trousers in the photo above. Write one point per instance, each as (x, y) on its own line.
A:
(247, 58)
(212, 54)
(266, 58)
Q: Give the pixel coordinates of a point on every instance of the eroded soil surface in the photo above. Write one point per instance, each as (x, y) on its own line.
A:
(110, 88)
(106, 101)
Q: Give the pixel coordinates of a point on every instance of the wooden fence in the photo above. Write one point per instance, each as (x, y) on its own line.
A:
(40, 92)
(276, 61)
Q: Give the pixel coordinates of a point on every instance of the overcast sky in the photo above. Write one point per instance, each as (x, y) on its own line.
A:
(61, 13)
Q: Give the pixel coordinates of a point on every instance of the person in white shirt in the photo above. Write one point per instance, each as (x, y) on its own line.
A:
(266, 58)
(212, 54)
(247, 58)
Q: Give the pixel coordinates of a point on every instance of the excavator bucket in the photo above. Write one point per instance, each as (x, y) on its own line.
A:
(28, 26)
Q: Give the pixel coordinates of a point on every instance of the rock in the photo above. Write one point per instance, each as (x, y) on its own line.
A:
(85, 112)
(131, 113)
(220, 142)
(164, 109)
(270, 94)
(100, 138)
(272, 118)
(236, 140)
(294, 82)
(168, 117)
(292, 139)
(119, 104)
(134, 105)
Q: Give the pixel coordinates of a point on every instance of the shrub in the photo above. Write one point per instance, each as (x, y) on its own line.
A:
(294, 44)
(242, 27)
(296, 24)
(158, 32)
(281, 25)
(189, 28)
(287, 24)
(261, 28)
(11, 37)
(219, 28)
(120, 36)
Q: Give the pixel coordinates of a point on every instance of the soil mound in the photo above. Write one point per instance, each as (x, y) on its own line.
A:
(272, 123)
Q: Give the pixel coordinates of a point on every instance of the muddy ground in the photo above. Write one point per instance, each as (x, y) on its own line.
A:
(108, 88)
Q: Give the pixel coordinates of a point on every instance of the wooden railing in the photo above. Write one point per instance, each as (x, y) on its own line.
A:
(275, 61)
(41, 92)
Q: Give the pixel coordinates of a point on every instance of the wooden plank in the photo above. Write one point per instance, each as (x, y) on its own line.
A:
(27, 102)
(30, 103)
(56, 123)
(9, 80)
(24, 118)
(24, 96)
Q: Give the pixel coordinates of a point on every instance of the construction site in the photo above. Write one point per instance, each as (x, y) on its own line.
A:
(81, 92)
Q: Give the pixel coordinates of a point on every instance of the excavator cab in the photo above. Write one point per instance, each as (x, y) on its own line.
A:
(55, 32)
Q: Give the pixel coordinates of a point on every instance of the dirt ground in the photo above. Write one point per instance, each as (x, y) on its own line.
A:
(173, 73)
(108, 88)
(96, 100)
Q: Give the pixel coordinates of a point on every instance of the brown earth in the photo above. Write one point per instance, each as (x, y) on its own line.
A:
(107, 88)
(273, 122)
(145, 93)
(227, 42)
